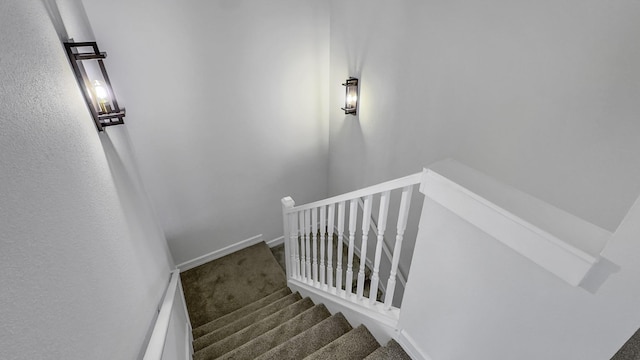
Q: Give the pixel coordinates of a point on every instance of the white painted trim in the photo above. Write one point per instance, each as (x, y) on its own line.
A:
(571, 229)
(184, 303)
(188, 341)
(411, 347)
(369, 262)
(373, 224)
(385, 250)
(189, 329)
(275, 242)
(375, 311)
(401, 276)
(190, 264)
(155, 347)
(559, 257)
(389, 185)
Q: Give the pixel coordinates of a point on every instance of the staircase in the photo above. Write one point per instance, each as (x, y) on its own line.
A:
(254, 315)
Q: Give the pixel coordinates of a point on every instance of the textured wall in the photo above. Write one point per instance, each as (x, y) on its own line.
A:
(226, 106)
(541, 95)
(83, 264)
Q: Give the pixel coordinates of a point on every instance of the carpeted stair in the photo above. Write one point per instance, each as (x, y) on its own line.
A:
(240, 308)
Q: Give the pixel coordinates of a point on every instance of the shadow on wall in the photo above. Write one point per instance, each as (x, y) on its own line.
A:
(598, 274)
(356, 50)
(351, 136)
(116, 142)
(56, 19)
(140, 216)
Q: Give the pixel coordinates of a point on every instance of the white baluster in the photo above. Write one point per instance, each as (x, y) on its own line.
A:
(307, 230)
(303, 258)
(382, 225)
(330, 218)
(353, 216)
(366, 222)
(293, 240)
(323, 221)
(339, 245)
(405, 203)
(314, 227)
(289, 256)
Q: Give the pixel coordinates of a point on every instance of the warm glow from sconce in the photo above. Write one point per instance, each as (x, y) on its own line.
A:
(351, 96)
(102, 96)
(85, 59)
(101, 93)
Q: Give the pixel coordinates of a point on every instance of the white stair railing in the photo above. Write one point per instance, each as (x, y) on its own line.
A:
(309, 230)
(385, 247)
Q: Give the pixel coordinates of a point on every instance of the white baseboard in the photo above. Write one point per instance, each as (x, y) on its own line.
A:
(331, 300)
(190, 264)
(188, 342)
(275, 242)
(411, 347)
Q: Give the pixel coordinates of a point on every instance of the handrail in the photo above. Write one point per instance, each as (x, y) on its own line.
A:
(158, 338)
(385, 186)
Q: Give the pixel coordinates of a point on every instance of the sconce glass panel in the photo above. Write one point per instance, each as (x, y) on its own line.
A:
(351, 96)
(88, 67)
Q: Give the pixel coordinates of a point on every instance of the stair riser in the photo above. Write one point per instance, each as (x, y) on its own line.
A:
(245, 322)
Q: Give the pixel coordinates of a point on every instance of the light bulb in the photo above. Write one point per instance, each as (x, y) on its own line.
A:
(101, 93)
(102, 96)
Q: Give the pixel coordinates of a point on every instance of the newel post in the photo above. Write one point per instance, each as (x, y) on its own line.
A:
(288, 203)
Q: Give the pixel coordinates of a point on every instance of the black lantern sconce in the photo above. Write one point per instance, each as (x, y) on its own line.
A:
(351, 96)
(95, 83)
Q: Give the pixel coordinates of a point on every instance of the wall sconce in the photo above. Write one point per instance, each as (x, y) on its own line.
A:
(351, 96)
(97, 93)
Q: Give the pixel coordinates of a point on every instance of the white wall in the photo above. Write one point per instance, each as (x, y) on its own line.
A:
(226, 105)
(471, 297)
(83, 262)
(541, 95)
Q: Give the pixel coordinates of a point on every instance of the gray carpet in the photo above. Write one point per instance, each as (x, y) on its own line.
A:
(278, 253)
(630, 350)
(393, 351)
(231, 282)
(243, 310)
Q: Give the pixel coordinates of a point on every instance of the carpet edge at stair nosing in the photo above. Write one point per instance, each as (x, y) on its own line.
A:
(275, 296)
(361, 333)
(325, 331)
(319, 310)
(206, 339)
(305, 305)
(388, 353)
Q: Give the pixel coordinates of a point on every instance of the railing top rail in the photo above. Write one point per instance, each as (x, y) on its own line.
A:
(374, 189)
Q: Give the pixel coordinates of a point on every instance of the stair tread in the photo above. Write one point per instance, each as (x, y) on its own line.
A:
(279, 334)
(309, 340)
(239, 313)
(226, 284)
(237, 339)
(356, 344)
(392, 351)
(243, 322)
